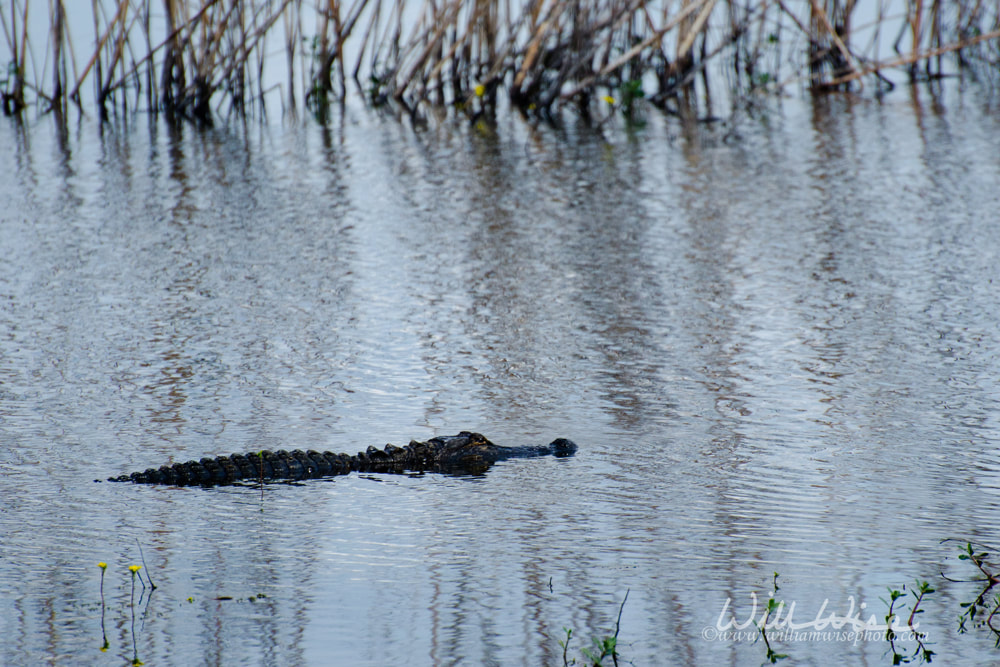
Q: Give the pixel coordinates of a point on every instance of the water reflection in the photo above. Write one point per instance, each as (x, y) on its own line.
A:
(776, 353)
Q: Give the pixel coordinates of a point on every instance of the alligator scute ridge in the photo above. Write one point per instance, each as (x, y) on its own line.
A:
(465, 453)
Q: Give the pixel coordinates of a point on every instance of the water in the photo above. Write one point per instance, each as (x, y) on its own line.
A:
(774, 340)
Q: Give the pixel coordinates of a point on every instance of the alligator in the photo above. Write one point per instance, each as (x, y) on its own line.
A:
(465, 453)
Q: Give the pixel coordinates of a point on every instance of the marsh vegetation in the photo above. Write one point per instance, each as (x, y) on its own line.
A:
(197, 58)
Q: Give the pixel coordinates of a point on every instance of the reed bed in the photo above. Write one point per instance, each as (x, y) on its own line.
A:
(199, 58)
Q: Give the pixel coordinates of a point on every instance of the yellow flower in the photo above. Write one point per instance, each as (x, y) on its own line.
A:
(480, 90)
(609, 99)
(134, 568)
(102, 565)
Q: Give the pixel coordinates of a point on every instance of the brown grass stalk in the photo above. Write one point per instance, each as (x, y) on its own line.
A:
(823, 20)
(13, 98)
(541, 53)
(915, 57)
(636, 50)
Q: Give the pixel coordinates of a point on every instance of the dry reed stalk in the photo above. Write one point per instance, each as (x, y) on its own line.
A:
(291, 31)
(172, 69)
(685, 58)
(448, 58)
(71, 50)
(915, 20)
(935, 36)
(209, 57)
(636, 50)
(94, 61)
(502, 61)
(823, 21)
(525, 92)
(698, 67)
(877, 37)
(322, 53)
(171, 39)
(353, 16)
(325, 55)
(58, 65)
(13, 97)
(119, 47)
(372, 22)
(539, 35)
(95, 57)
(383, 48)
(820, 53)
(225, 65)
(914, 57)
(434, 38)
(542, 52)
(693, 30)
(151, 91)
(746, 62)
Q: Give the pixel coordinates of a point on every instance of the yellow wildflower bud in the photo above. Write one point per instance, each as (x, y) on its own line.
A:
(480, 90)
(609, 99)
(102, 565)
(134, 568)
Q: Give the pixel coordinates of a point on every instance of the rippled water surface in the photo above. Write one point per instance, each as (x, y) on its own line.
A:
(775, 341)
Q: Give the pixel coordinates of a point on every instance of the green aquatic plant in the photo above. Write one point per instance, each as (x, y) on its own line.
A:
(601, 647)
(104, 633)
(906, 604)
(134, 569)
(896, 603)
(104, 568)
(774, 606)
(923, 589)
(985, 608)
(604, 648)
(564, 644)
(631, 93)
(135, 572)
(894, 596)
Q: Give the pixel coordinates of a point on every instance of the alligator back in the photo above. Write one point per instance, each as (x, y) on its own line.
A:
(465, 453)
